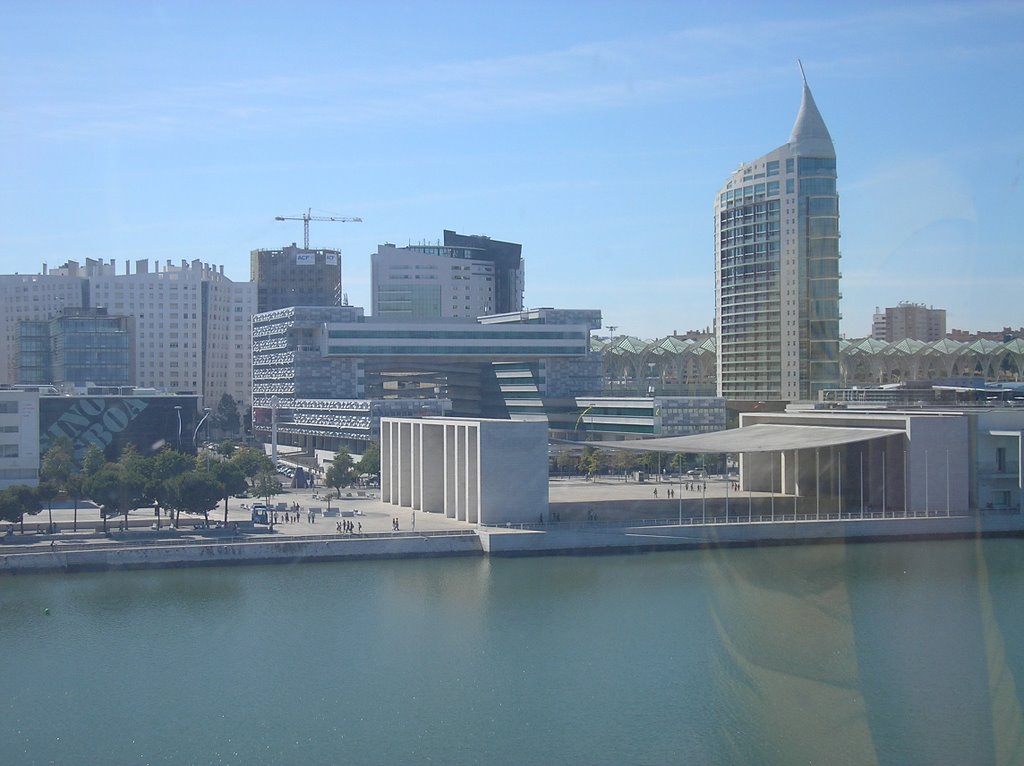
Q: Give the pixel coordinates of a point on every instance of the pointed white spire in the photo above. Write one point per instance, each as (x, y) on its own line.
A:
(810, 137)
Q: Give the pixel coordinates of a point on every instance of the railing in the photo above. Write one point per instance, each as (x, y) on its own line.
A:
(736, 518)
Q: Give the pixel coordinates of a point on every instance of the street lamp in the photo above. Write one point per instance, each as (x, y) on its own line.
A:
(275, 402)
(177, 409)
(206, 414)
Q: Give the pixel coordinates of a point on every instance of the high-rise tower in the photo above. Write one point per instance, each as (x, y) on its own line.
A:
(777, 268)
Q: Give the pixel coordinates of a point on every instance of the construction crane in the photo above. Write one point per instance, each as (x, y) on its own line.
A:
(306, 218)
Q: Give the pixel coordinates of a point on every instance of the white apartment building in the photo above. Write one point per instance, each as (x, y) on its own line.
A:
(777, 269)
(192, 323)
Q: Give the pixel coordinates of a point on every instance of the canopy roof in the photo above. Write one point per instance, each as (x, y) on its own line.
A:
(758, 438)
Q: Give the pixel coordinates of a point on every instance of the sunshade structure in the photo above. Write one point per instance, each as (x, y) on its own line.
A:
(840, 462)
(756, 438)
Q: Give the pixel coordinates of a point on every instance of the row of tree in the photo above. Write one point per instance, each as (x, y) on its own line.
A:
(174, 481)
(169, 479)
(592, 462)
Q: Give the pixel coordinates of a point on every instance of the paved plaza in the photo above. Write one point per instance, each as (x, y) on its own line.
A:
(571, 501)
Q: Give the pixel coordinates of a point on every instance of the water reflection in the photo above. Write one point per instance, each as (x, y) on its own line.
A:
(877, 653)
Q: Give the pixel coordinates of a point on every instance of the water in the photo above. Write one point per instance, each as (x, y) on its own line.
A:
(884, 653)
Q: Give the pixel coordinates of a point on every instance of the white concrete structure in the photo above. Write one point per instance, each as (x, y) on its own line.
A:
(477, 471)
(777, 269)
(19, 438)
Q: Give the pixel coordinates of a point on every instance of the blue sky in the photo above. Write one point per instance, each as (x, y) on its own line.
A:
(596, 134)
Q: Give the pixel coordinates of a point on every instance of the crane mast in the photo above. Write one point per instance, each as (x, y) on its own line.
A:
(307, 217)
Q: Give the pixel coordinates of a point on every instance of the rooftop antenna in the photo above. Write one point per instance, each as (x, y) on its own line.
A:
(802, 75)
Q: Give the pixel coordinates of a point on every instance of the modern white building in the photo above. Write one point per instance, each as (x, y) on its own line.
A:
(192, 324)
(777, 269)
(474, 470)
(465, 278)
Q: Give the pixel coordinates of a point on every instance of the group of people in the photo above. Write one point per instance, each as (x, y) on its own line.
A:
(291, 515)
(346, 527)
(691, 486)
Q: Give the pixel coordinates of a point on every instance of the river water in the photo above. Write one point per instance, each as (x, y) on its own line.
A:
(897, 653)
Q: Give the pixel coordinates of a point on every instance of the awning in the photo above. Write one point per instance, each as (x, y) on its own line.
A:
(759, 438)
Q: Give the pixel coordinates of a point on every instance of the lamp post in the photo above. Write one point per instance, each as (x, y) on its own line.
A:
(679, 492)
(274, 403)
(195, 436)
(177, 409)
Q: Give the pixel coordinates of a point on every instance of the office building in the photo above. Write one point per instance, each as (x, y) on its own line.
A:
(78, 347)
(295, 276)
(909, 320)
(777, 269)
(326, 375)
(466, 277)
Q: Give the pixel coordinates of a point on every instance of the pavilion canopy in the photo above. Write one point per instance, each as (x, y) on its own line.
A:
(758, 438)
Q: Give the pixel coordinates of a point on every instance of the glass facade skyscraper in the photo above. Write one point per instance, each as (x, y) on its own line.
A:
(777, 269)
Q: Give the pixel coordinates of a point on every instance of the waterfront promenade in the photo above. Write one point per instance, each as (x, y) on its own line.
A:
(605, 515)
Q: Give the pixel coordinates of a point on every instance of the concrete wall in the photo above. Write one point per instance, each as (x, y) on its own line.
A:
(477, 471)
(231, 554)
(938, 463)
(513, 472)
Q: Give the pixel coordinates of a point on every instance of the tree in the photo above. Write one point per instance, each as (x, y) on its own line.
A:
(267, 486)
(225, 417)
(370, 461)
(196, 492)
(75, 488)
(93, 460)
(161, 469)
(566, 461)
(592, 461)
(16, 501)
(252, 462)
(625, 461)
(231, 481)
(117, 490)
(680, 461)
(55, 469)
(340, 472)
(226, 448)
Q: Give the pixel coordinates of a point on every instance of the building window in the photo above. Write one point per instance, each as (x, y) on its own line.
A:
(1001, 459)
